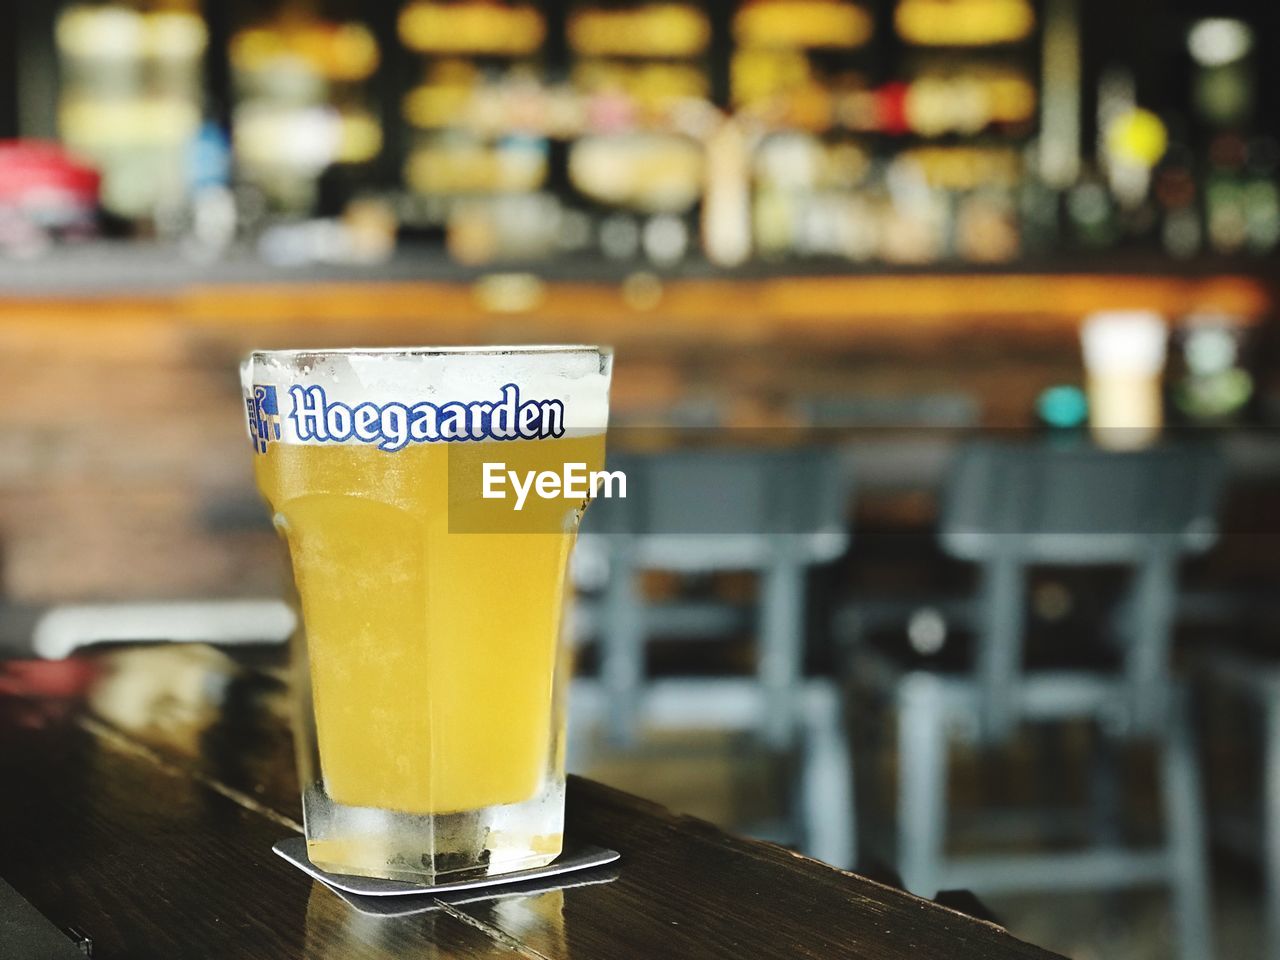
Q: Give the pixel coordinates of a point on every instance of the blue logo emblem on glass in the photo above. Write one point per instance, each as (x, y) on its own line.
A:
(264, 416)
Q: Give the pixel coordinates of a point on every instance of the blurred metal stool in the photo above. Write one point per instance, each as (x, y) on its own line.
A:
(1009, 507)
(774, 512)
(901, 443)
(1258, 682)
(904, 441)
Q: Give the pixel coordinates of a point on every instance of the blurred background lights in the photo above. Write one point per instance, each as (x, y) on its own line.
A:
(1216, 41)
(1138, 137)
(1210, 348)
(1063, 406)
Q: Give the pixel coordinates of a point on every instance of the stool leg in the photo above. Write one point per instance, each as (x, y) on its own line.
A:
(922, 785)
(866, 738)
(826, 779)
(781, 650)
(1271, 824)
(1184, 824)
(622, 650)
(1105, 805)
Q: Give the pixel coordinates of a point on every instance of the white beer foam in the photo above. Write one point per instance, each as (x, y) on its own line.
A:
(577, 376)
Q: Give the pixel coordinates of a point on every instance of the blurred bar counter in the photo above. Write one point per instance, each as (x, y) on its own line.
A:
(1235, 285)
(123, 467)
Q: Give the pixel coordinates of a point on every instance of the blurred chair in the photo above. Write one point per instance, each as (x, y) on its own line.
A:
(1258, 682)
(904, 442)
(695, 512)
(1007, 508)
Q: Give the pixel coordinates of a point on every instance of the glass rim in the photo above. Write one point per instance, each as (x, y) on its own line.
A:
(435, 351)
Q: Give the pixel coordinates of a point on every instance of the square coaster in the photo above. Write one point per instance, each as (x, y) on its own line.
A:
(426, 902)
(574, 857)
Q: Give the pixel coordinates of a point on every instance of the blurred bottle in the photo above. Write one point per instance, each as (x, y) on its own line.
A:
(987, 228)
(45, 195)
(301, 84)
(1240, 195)
(212, 204)
(639, 164)
(1262, 195)
(726, 207)
(130, 96)
(1225, 195)
(1214, 387)
(1177, 198)
(1092, 214)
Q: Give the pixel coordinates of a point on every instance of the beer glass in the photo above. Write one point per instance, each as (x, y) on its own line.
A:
(1124, 358)
(431, 727)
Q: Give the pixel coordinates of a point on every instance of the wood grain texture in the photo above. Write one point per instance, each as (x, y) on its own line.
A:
(150, 830)
(687, 889)
(152, 864)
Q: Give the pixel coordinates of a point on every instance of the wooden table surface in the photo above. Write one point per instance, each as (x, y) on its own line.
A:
(141, 791)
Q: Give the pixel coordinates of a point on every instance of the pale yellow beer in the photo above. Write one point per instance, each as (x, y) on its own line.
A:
(432, 653)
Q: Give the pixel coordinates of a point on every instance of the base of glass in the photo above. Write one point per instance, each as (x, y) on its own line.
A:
(433, 848)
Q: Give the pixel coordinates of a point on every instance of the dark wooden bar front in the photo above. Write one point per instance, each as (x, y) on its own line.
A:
(140, 794)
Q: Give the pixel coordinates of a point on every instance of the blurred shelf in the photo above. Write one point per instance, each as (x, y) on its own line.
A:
(601, 298)
(116, 265)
